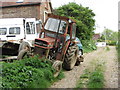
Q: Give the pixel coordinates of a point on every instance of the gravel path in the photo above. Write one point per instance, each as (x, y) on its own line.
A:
(111, 71)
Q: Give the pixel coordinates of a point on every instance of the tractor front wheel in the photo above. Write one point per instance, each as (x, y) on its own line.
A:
(70, 57)
(57, 65)
(22, 54)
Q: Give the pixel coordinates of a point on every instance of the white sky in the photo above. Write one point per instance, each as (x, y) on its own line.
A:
(106, 11)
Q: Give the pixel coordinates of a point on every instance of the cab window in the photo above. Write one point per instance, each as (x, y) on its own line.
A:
(73, 31)
(30, 28)
(14, 30)
(3, 31)
(53, 25)
(62, 27)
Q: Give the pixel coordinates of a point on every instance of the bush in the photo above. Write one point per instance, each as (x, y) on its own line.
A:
(27, 73)
(111, 43)
(88, 45)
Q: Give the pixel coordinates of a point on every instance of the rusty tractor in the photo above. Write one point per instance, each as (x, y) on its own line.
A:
(57, 42)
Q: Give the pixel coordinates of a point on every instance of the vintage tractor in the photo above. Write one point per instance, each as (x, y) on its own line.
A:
(57, 43)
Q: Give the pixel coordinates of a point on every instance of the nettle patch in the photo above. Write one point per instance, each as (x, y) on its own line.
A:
(28, 73)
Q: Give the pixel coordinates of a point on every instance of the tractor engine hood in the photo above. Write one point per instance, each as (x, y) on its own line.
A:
(44, 42)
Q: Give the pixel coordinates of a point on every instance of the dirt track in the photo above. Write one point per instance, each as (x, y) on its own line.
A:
(111, 72)
(111, 69)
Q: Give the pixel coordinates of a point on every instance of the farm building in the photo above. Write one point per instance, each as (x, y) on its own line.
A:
(96, 36)
(25, 9)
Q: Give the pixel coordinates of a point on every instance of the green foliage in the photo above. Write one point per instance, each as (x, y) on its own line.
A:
(107, 48)
(118, 46)
(27, 73)
(88, 45)
(111, 43)
(83, 79)
(60, 76)
(93, 76)
(91, 80)
(110, 36)
(101, 39)
(96, 80)
(83, 16)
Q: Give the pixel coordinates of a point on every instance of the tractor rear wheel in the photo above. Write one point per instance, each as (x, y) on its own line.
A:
(70, 57)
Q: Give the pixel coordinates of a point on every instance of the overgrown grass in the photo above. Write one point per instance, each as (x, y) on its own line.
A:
(92, 77)
(96, 79)
(28, 73)
(88, 45)
(82, 83)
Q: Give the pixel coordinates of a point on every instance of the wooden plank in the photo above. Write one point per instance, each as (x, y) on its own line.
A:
(8, 58)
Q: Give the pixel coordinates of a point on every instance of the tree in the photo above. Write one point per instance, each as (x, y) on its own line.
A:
(83, 16)
(110, 35)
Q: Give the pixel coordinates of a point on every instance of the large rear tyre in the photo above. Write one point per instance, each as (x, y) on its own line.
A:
(57, 65)
(70, 57)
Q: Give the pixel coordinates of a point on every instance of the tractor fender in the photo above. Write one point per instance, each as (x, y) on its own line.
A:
(29, 42)
(24, 44)
(81, 51)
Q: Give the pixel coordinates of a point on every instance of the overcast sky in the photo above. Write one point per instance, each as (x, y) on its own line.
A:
(106, 11)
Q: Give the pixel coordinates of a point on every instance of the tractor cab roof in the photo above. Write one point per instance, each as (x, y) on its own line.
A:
(61, 18)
